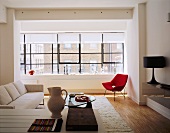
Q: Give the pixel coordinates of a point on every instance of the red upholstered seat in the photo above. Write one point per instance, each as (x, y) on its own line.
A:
(116, 84)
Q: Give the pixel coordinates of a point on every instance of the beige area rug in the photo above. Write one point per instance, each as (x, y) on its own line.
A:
(112, 121)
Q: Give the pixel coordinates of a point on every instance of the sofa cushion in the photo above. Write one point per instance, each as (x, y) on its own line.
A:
(28, 101)
(4, 96)
(13, 92)
(20, 87)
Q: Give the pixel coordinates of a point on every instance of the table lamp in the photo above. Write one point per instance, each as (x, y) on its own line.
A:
(154, 62)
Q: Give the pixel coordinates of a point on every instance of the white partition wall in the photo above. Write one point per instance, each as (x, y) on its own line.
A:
(7, 48)
(72, 83)
(3, 14)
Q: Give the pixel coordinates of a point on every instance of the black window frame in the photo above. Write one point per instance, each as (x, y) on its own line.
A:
(25, 64)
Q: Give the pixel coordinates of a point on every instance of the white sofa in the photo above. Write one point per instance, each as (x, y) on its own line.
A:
(16, 95)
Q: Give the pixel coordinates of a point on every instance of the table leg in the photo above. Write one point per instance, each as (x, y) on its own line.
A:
(89, 105)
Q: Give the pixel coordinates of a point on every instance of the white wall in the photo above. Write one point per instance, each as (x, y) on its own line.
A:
(133, 56)
(76, 26)
(73, 14)
(0, 49)
(73, 20)
(136, 49)
(17, 50)
(3, 18)
(91, 83)
(158, 36)
(142, 49)
(7, 49)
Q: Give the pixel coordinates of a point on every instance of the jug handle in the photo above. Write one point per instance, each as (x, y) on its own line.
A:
(66, 93)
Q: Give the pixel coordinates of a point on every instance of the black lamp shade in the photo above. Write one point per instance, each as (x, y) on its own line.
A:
(154, 62)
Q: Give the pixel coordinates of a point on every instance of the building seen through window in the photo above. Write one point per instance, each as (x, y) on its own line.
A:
(72, 53)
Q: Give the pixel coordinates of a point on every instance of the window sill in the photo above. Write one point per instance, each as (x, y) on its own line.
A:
(72, 74)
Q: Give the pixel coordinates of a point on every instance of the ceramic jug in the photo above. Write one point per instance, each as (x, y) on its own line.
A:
(56, 102)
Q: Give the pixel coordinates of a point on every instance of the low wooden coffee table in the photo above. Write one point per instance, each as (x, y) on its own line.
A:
(19, 120)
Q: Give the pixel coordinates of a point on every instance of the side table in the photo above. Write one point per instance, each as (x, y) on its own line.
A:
(152, 89)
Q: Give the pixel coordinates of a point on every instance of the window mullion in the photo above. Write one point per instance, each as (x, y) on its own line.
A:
(58, 56)
(52, 59)
(102, 52)
(79, 53)
(30, 58)
(24, 56)
(123, 55)
(110, 51)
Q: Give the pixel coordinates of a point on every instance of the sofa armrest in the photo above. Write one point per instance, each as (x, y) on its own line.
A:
(7, 107)
(34, 87)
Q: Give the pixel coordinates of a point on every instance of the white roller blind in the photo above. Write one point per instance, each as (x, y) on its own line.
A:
(91, 38)
(68, 38)
(113, 37)
(41, 38)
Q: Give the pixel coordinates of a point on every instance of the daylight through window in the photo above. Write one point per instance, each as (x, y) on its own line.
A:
(72, 53)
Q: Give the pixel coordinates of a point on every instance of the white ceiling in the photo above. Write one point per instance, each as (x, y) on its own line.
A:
(70, 3)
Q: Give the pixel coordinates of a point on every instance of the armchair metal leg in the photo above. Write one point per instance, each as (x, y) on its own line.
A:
(105, 92)
(123, 94)
(114, 96)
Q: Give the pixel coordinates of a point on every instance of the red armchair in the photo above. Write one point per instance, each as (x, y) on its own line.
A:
(116, 84)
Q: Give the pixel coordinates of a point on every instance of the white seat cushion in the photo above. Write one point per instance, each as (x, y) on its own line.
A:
(28, 101)
(4, 96)
(13, 92)
(20, 87)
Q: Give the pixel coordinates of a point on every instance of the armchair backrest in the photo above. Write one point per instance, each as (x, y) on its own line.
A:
(119, 80)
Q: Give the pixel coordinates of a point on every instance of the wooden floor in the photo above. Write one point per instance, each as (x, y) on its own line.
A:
(141, 119)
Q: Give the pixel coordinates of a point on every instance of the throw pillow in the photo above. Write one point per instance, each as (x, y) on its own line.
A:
(13, 92)
(4, 96)
(20, 87)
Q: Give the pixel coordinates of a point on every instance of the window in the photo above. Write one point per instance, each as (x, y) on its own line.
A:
(93, 46)
(78, 52)
(67, 46)
(72, 54)
(93, 66)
